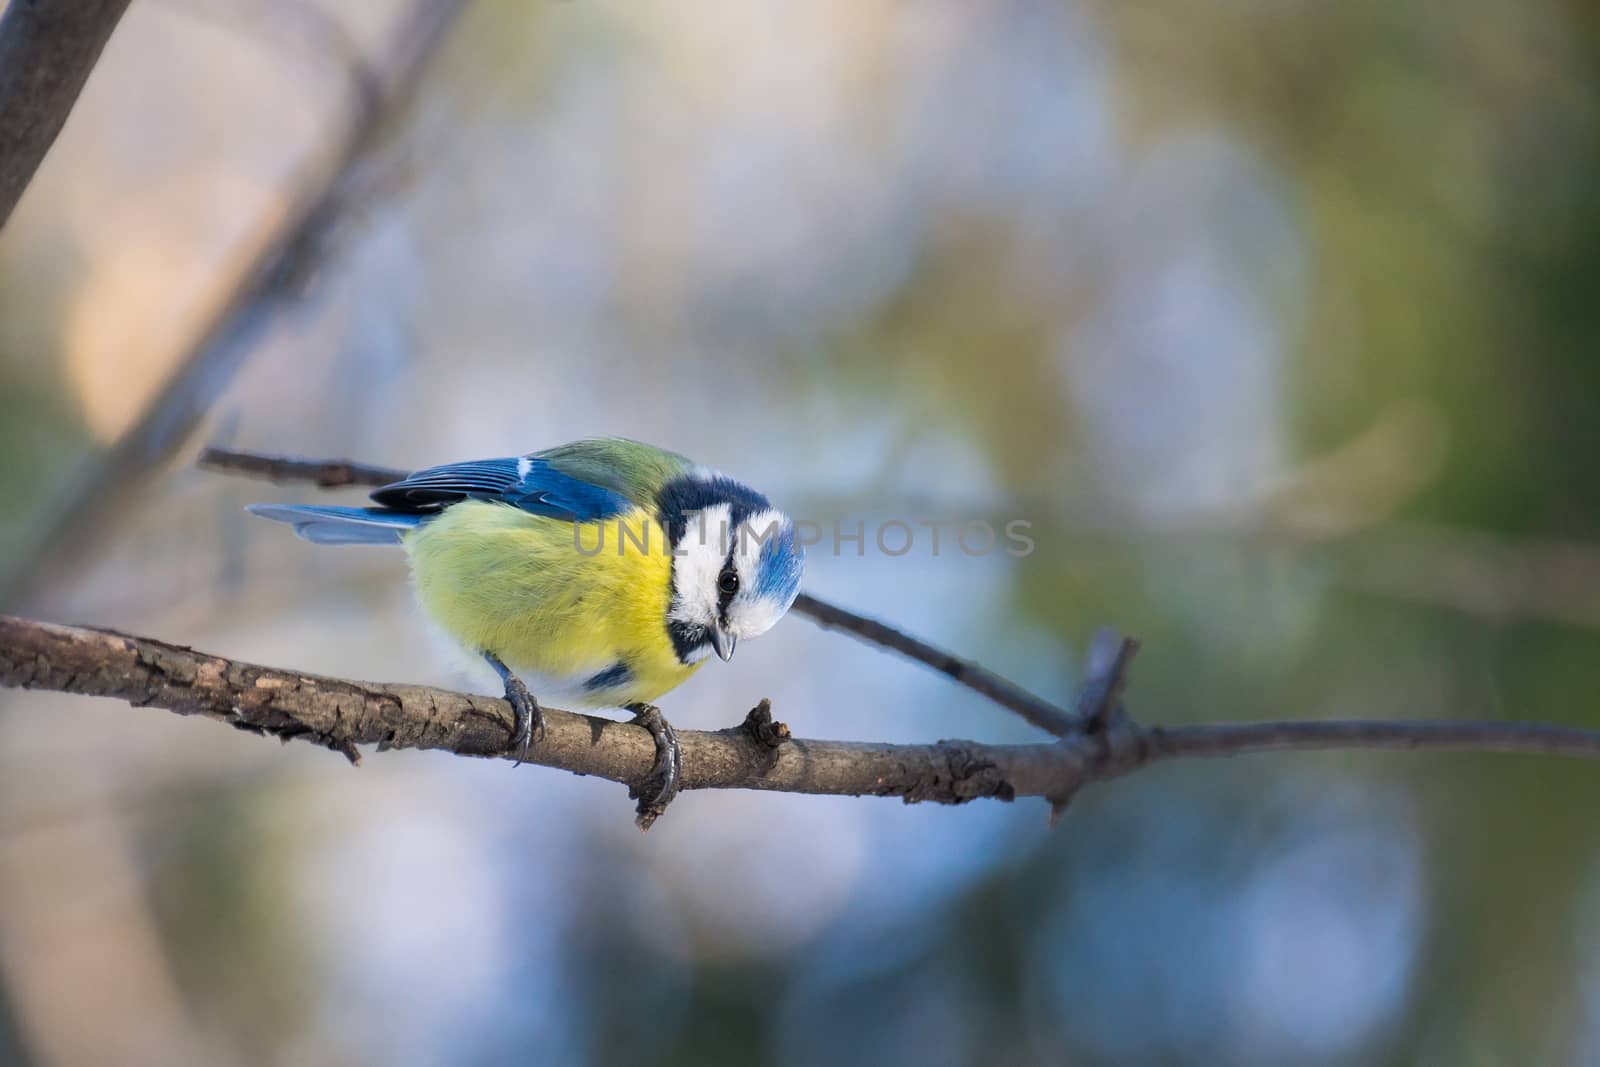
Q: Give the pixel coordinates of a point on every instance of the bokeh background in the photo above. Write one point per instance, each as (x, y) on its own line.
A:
(1277, 320)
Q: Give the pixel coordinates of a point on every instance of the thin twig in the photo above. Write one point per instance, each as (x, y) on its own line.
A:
(1036, 710)
(1235, 739)
(1007, 694)
(1099, 702)
(280, 268)
(286, 470)
(1101, 716)
(341, 714)
(46, 53)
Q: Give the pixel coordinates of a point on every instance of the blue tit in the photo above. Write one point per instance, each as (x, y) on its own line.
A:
(604, 572)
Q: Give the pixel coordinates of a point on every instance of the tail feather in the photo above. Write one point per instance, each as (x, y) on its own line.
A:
(341, 526)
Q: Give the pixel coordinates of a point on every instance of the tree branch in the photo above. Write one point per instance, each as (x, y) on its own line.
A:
(340, 714)
(340, 473)
(47, 49)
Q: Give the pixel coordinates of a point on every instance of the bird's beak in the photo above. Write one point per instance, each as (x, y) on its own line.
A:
(722, 640)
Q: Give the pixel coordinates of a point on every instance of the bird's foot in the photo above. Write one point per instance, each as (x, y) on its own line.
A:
(658, 789)
(529, 718)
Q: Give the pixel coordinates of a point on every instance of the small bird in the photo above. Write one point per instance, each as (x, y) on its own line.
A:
(604, 572)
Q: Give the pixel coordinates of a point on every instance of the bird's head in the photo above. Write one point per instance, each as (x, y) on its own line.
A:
(736, 564)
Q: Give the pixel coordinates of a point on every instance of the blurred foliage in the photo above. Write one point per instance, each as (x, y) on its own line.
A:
(218, 888)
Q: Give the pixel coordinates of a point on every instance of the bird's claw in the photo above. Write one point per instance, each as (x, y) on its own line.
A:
(667, 770)
(529, 718)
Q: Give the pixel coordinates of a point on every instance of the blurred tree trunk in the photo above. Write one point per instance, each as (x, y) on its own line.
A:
(47, 49)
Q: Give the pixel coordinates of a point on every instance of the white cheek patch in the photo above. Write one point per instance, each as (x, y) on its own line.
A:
(754, 617)
(697, 562)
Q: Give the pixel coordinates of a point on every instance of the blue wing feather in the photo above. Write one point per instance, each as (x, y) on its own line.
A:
(530, 483)
(325, 525)
(454, 479)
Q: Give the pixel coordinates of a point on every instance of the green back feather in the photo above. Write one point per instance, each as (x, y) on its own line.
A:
(632, 468)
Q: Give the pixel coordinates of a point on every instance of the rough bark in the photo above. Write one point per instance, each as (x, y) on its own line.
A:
(341, 715)
(755, 754)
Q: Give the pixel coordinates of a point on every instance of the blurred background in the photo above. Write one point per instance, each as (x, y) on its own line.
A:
(1275, 319)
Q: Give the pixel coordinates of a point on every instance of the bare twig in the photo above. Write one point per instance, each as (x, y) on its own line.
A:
(1007, 694)
(1234, 739)
(47, 49)
(1101, 716)
(341, 714)
(1099, 702)
(286, 470)
(340, 472)
(279, 268)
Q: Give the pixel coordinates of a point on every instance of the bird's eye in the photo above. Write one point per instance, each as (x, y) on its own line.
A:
(728, 581)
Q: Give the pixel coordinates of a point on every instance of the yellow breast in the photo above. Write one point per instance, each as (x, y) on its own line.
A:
(552, 598)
